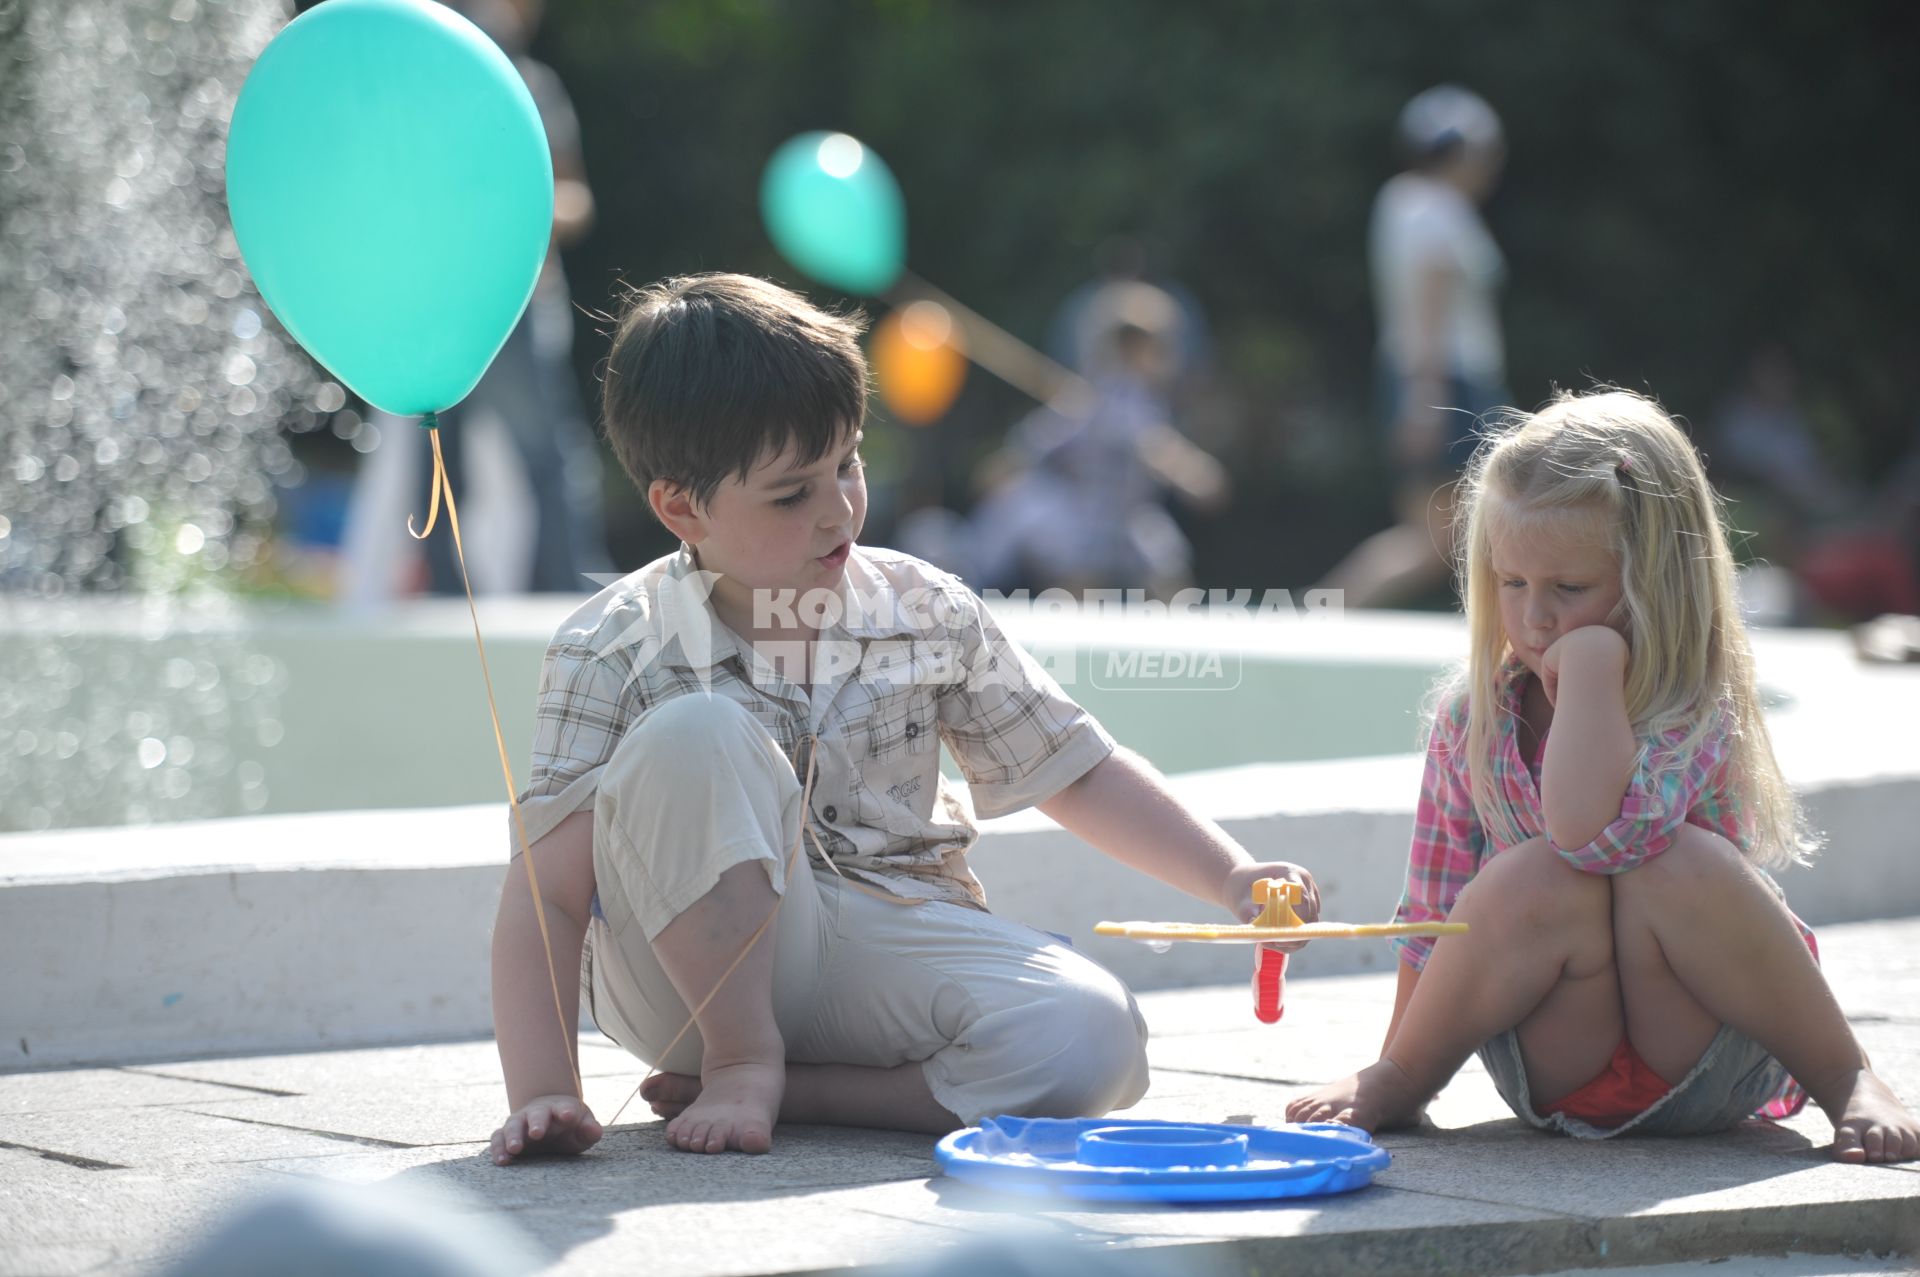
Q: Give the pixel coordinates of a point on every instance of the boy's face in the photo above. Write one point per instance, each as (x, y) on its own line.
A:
(782, 527)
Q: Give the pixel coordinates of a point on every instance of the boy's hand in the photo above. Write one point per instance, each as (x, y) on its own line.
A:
(1237, 894)
(552, 1124)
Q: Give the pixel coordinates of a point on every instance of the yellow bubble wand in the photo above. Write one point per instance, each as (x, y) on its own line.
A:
(1276, 923)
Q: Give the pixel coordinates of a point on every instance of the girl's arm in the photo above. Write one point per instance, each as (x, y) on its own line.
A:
(1591, 750)
(1123, 808)
(1402, 994)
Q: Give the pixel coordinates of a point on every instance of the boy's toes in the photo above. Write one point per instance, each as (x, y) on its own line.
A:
(670, 1088)
(1847, 1145)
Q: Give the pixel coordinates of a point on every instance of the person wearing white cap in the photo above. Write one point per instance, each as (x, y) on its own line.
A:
(1436, 276)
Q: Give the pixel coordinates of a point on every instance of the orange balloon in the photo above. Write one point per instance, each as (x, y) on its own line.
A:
(919, 362)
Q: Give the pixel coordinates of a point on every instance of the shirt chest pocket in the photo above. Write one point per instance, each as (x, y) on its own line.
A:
(900, 776)
(904, 725)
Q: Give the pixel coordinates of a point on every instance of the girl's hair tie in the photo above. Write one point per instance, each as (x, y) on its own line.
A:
(1625, 464)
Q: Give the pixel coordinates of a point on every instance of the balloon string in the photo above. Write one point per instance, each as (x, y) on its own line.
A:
(442, 482)
(1013, 361)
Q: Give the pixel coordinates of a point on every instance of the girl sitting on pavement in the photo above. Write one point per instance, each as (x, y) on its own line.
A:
(1600, 803)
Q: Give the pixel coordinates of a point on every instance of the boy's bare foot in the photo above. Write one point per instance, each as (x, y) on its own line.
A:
(735, 1108)
(1871, 1124)
(1377, 1098)
(668, 1094)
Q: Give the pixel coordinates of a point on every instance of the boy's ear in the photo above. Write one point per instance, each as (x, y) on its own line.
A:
(674, 506)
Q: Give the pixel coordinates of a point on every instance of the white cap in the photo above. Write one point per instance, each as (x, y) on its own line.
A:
(1447, 114)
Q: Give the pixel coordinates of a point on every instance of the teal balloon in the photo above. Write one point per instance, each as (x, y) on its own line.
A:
(392, 194)
(833, 209)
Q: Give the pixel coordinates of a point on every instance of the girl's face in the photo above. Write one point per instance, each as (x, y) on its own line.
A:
(1555, 573)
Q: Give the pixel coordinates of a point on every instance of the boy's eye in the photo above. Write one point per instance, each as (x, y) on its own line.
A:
(792, 499)
(851, 464)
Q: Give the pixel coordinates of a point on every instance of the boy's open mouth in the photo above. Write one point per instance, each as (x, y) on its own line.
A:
(838, 555)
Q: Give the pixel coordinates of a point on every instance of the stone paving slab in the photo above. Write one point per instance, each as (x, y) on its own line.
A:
(116, 1170)
(90, 1090)
(434, 1065)
(1780, 1266)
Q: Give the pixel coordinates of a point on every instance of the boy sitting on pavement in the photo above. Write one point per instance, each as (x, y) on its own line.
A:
(685, 710)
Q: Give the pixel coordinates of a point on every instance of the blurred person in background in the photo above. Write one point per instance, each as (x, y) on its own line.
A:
(1442, 362)
(1767, 440)
(1075, 500)
(1078, 327)
(522, 438)
(1767, 460)
(1867, 569)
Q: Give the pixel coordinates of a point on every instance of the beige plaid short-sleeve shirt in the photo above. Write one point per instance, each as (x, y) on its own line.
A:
(912, 660)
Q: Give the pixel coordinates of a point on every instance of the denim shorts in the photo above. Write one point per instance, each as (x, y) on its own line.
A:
(1734, 1079)
(1468, 402)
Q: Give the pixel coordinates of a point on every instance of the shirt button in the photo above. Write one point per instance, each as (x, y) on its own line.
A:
(828, 813)
(913, 730)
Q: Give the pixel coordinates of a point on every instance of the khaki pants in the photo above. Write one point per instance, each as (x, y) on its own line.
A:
(1004, 1019)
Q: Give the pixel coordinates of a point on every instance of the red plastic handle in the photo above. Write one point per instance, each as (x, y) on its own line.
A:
(1269, 984)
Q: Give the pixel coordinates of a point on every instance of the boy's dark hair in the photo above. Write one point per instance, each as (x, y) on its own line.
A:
(712, 374)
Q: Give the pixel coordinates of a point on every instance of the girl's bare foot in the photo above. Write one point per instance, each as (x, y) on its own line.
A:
(735, 1108)
(668, 1094)
(1871, 1124)
(1377, 1098)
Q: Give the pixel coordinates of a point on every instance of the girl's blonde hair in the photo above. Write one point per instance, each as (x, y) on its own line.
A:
(1619, 455)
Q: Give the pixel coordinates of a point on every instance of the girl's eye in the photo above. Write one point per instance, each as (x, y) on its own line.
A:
(1574, 589)
(851, 464)
(792, 499)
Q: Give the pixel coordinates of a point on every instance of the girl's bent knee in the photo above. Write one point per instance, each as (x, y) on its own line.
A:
(1696, 861)
(1531, 888)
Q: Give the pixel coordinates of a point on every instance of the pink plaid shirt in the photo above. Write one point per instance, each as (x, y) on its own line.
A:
(1451, 840)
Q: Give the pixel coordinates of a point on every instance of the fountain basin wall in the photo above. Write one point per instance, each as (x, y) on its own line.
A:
(344, 712)
(321, 929)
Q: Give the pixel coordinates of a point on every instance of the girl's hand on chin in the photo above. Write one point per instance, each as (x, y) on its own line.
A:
(1588, 644)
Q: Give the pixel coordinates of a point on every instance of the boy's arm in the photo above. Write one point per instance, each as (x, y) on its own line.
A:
(534, 1039)
(1123, 807)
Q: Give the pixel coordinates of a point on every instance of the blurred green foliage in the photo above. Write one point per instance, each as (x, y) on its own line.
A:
(1687, 180)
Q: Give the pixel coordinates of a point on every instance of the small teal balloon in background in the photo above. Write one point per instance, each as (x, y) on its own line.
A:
(392, 194)
(833, 209)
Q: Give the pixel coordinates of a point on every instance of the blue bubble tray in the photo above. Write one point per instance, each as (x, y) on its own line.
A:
(1104, 1160)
